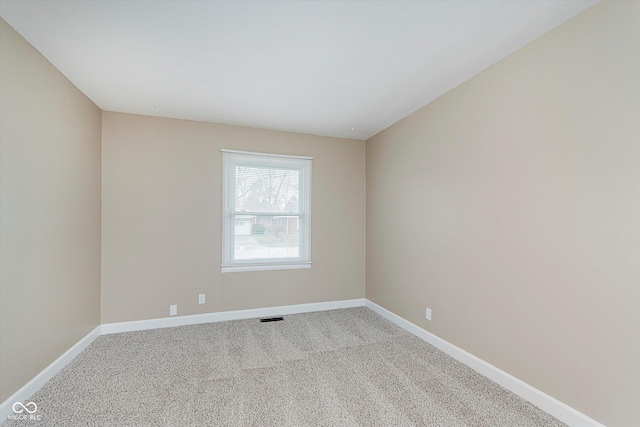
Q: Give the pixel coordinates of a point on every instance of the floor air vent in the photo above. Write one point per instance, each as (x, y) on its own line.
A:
(271, 319)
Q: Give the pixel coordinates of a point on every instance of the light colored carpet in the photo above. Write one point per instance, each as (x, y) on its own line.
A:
(345, 367)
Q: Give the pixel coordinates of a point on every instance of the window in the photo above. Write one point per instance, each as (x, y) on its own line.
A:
(266, 218)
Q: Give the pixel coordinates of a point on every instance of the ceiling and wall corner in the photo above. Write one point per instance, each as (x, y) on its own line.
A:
(320, 68)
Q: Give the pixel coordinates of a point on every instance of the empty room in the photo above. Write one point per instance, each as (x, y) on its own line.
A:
(320, 213)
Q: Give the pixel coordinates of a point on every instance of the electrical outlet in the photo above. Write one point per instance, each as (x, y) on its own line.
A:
(173, 310)
(201, 299)
(428, 314)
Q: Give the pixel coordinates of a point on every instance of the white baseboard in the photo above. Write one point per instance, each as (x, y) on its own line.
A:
(6, 408)
(166, 322)
(542, 400)
(545, 402)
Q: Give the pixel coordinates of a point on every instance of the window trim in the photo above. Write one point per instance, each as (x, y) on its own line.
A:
(303, 164)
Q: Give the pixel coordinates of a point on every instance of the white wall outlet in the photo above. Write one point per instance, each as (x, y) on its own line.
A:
(173, 310)
(201, 299)
(428, 314)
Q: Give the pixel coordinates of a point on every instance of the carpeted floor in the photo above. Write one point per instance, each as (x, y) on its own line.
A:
(345, 367)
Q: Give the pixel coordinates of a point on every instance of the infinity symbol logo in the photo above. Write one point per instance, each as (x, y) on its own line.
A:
(22, 408)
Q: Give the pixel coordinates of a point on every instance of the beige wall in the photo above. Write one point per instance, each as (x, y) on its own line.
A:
(162, 219)
(49, 213)
(511, 207)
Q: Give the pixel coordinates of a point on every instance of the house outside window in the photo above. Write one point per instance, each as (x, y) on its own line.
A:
(266, 218)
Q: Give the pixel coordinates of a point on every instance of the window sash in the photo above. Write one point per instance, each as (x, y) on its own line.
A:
(232, 159)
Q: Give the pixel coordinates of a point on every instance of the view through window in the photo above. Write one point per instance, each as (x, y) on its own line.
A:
(266, 218)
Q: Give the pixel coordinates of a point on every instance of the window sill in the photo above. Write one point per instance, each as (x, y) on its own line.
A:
(239, 268)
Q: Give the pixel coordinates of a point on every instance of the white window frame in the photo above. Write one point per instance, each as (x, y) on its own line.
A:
(233, 158)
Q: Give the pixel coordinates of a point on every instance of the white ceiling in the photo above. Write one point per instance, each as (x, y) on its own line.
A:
(318, 67)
